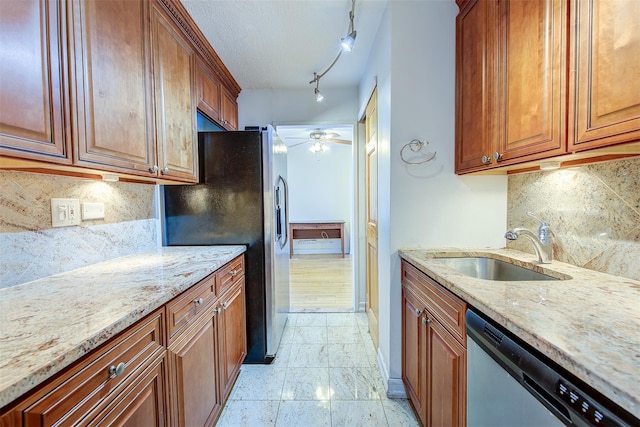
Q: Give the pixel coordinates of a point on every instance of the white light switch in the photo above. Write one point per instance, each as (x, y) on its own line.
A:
(65, 212)
(92, 210)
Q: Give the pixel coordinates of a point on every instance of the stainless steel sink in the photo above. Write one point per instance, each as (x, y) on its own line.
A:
(493, 269)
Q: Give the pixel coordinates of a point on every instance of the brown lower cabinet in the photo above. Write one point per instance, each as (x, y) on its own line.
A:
(433, 350)
(135, 379)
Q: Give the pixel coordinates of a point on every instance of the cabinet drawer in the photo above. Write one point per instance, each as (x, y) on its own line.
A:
(444, 305)
(230, 273)
(78, 394)
(182, 309)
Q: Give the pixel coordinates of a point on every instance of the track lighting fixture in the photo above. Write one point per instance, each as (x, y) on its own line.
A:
(319, 96)
(347, 45)
(347, 42)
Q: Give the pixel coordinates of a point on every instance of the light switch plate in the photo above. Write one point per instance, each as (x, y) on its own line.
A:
(65, 212)
(92, 210)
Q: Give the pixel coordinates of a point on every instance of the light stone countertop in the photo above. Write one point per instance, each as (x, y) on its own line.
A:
(47, 324)
(589, 325)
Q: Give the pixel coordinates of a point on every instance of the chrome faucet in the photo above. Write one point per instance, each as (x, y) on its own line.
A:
(541, 243)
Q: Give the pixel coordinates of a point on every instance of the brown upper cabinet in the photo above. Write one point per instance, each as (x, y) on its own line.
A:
(229, 117)
(208, 92)
(214, 100)
(33, 109)
(106, 85)
(517, 101)
(112, 85)
(605, 93)
(174, 88)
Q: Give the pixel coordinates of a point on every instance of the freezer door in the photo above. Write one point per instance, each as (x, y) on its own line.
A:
(276, 202)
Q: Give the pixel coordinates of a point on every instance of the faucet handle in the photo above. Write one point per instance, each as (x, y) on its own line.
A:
(543, 223)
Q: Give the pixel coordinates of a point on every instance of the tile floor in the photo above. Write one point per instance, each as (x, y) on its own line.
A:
(325, 374)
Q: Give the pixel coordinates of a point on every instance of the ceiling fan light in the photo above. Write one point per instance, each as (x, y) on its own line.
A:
(348, 41)
(319, 96)
(315, 147)
(324, 147)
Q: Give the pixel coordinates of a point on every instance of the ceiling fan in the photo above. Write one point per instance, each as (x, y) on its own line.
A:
(319, 136)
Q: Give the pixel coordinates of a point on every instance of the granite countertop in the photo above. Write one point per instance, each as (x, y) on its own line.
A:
(47, 324)
(588, 324)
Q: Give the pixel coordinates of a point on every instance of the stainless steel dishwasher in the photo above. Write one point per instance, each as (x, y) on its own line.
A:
(511, 384)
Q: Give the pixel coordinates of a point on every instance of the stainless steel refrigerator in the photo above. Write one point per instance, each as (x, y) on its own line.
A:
(241, 199)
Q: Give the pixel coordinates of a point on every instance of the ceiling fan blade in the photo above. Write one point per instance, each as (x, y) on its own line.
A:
(339, 141)
(299, 143)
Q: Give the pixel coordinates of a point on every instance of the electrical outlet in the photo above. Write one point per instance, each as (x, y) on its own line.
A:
(65, 212)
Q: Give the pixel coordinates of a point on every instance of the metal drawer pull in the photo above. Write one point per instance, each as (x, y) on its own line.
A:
(198, 301)
(425, 320)
(217, 310)
(418, 312)
(153, 169)
(116, 371)
(225, 305)
(164, 170)
(233, 273)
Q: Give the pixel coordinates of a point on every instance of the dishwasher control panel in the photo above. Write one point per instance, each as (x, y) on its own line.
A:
(583, 406)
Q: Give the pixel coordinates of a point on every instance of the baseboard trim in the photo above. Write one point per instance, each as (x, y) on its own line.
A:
(394, 386)
(396, 389)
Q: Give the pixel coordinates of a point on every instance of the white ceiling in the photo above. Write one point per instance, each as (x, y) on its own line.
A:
(278, 44)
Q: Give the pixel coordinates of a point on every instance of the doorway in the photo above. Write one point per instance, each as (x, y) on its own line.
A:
(321, 190)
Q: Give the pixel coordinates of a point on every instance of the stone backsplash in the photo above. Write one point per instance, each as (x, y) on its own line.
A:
(31, 249)
(593, 212)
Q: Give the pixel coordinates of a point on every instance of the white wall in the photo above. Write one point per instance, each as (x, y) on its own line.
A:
(426, 205)
(320, 185)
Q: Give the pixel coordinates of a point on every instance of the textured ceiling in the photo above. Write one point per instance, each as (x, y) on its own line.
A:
(278, 44)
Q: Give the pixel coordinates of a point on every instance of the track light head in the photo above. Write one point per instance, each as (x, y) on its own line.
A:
(319, 96)
(348, 41)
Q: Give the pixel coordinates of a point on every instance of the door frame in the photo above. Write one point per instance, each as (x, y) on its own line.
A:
(355, 219)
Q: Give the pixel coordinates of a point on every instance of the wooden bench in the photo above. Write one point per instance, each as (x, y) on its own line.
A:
(316, 230)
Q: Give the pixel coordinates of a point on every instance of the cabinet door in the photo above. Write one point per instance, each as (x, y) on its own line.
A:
(209, 92)
(229, 110)
(142, 404)
(111, 70)
(532, 79)
(605, 94)
(414, 355)
(233, 336)
(446, 377)
(194, 394)
(32, 100)
(475, 85)
(173, 68)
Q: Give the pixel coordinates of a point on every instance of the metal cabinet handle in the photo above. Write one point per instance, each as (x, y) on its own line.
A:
(198, 301)
(418, 312)
(233, 273)
(486, 160)
(116, 371)
(225, 305)
(497, 156)
(153, 169)
(217, 310)
(164, 170)
(426, 320)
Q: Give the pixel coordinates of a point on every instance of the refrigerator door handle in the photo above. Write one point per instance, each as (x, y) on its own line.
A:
(286, 212)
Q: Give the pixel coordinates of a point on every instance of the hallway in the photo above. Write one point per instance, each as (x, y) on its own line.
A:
(325, 374)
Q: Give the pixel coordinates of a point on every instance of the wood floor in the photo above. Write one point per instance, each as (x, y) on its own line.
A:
(320, 283)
